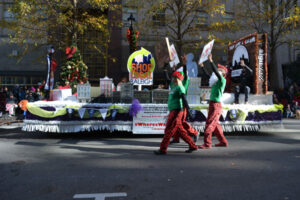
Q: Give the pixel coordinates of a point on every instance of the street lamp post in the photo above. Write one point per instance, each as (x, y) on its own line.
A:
(131, 19)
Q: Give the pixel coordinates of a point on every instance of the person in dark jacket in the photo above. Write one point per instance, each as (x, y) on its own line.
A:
(11, 104)
(30, 97)
(2, 100)
(244, 82)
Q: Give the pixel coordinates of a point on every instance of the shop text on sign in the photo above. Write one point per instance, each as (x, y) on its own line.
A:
(140, 66)
(141, 74)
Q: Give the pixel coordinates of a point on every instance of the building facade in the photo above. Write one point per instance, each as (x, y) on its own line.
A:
(33, 69)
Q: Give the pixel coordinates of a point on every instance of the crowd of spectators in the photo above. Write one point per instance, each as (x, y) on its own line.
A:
(289, 98)
(10, 97)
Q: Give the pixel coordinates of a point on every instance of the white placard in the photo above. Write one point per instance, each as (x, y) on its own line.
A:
(206, 51)
(236, 73)
(174, 56)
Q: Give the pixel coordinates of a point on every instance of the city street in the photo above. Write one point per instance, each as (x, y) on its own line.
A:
(255, 166)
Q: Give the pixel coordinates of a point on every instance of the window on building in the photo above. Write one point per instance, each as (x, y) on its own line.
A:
(229, 6)
(202, 19)
(228, 17)
(297, 55)
(7, 14)
(159, 18)
(229, 11)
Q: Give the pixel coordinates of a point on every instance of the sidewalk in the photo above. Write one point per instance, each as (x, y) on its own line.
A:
(5, 119)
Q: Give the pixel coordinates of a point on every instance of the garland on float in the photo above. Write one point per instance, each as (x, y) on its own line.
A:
(40, 112)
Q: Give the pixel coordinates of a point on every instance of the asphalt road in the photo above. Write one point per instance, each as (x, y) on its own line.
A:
(256, 166)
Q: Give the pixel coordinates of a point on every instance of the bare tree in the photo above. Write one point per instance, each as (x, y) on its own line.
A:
(279, 19)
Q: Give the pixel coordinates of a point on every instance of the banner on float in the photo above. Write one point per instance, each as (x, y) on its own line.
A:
(206, 51)
(140, 66)
(151, 120)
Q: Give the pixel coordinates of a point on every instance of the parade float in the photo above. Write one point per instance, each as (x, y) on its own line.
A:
(145, 112)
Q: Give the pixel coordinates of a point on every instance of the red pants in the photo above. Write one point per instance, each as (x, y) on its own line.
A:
(213, 125)
(191, 131)
(174, 124)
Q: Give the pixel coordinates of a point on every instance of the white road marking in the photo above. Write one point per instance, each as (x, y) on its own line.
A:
(99, 196)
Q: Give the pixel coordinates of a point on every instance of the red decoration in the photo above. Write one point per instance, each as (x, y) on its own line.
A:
(53, 64)
(74, 75)
(64, 87)
(128, 35)
(132, 38)
(70, 52)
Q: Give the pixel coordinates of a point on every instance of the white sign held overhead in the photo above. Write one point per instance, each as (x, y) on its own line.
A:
(206, 51)
(236, 73)
(175, 59)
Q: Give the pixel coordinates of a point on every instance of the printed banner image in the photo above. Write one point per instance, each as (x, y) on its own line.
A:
(152, 120)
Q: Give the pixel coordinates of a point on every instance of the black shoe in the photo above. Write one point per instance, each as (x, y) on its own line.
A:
(174, 142)
(190, 150)
(159, 152)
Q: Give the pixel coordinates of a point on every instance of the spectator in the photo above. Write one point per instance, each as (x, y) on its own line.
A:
(6, 92)
(161, 86)
(32, 89)
(11, 104)
(15, 91)
(2, 100)
(244, 82)
(38, 95)
(293, 90)
(123, 80)
(21, 94)
(30, 97)
(288, 112)
(275, 99)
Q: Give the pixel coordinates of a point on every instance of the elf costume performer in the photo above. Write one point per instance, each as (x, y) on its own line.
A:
(176, 100)
(185, 82)
(217, 83)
